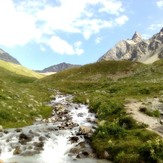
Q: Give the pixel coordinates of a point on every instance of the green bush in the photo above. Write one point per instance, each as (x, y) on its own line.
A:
(111, 129)
(151, 151)
(5, 115)
(122, 157)
(152, 113)
(128, 122)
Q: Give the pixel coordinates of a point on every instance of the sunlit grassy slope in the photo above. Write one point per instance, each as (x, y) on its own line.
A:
(21, 100)
(18, 69)
(105, 86)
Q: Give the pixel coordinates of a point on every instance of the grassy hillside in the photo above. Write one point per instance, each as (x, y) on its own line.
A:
(18, 69)
(106, 86)
(21, 100)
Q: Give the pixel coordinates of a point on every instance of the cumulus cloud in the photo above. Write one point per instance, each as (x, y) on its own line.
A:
(60, 46)
(98, 40)
(160, 3)
(111, 7)
(45, 21)
(121, 20)
(17, 28)
(63, 47)
(156, 27)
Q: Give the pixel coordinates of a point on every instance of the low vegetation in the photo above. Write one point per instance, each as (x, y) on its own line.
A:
(21, 100)
(104, 86)
(152, 113)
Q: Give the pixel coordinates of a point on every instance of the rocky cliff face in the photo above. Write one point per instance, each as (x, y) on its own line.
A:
(137, 49)
(58, 67)
(6, 57)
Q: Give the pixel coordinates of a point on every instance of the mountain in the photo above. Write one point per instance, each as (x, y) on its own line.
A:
(8, 58)
(58, 67)
(137, 49)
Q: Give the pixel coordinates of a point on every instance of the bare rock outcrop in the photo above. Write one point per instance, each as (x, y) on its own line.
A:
(137, 49)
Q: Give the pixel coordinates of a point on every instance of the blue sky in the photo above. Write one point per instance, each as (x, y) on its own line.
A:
(41, 33)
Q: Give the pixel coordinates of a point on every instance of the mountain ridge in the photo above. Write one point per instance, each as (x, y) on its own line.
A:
(7, 57)
(137, 49)
(58, 67)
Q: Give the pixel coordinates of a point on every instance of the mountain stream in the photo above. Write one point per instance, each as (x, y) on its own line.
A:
(62, 138)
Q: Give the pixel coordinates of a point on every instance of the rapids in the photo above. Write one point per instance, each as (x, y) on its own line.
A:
(62, 138)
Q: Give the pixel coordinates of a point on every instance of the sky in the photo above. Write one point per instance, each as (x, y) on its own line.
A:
(42, 33)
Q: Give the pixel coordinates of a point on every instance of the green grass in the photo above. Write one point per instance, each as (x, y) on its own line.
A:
(21, 100)
(104, 86)
(18, 69)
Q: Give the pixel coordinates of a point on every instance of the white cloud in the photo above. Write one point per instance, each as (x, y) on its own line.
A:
(77, 48)
(63, 47)
(60, 46)
(98, 40)
(121, 20)
(156, 27)
(16, 28)
(111, 7)
(43, 21)
(160, 3)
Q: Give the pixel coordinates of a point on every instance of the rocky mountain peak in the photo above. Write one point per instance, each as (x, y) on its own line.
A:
(137, 37)
(137, 49)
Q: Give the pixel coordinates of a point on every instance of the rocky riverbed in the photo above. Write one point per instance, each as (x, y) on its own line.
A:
(62, 138)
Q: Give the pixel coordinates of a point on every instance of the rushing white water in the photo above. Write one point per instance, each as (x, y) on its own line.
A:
(56, 142)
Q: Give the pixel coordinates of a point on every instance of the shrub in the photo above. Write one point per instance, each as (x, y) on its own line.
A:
(151, 151)
(122, 157)
(152, 113)
(127, 122)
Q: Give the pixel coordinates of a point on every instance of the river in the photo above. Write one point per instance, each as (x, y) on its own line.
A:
(62, 138)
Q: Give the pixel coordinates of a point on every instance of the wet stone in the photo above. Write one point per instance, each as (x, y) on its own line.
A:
(6, 132)
(41, 138)
(23, 138)
(38, 144)
(18, 130)
(17, 150)
(73, 139)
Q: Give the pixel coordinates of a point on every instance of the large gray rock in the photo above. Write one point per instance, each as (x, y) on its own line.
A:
(137, 49)
(85, 130)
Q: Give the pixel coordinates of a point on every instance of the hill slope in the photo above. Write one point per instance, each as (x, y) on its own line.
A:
(21, 100)
(8, 58)
(137, 49)
(18, 69)
(106, 87)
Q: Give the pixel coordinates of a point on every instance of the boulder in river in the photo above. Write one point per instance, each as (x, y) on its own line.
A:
(85, 130)
(74, 139)
(17, 150)
(23, 138)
